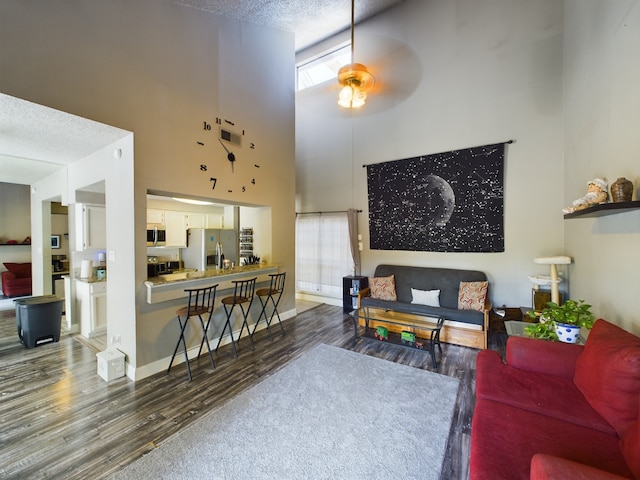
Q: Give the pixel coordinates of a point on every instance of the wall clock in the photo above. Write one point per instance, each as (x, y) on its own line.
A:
(230, 157)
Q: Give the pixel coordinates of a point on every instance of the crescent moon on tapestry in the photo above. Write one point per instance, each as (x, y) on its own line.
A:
(442, 202)
(440, 199)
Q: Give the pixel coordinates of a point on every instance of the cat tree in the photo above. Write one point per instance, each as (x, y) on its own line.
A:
(553, 279)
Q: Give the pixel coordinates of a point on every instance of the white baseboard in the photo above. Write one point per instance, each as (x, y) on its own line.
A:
(319, 299)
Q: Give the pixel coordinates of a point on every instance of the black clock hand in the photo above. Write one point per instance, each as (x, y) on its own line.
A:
(230, 156)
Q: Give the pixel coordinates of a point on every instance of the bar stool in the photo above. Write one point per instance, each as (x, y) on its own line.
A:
(273, 293)
(243, 292)
(201, 301)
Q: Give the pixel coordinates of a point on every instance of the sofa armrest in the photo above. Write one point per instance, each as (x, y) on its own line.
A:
(543, 356)
(549, 467)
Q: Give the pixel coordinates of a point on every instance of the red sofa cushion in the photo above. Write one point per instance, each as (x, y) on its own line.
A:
(553, 358)
(505, 438)
(13, 286)
(608, 374)
(548, 467)
(549, 395)
(21, 270)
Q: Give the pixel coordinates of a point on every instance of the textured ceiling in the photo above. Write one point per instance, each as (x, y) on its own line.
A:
(310, 20)
(35, 141)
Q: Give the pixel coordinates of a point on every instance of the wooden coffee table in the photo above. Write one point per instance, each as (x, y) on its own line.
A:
(426, 329)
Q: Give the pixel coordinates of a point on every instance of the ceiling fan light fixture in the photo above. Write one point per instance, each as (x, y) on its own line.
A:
(356, 81)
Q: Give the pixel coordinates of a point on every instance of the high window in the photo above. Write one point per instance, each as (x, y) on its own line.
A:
(321, 68)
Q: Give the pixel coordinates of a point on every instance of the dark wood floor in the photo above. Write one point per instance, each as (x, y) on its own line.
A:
(59, 419)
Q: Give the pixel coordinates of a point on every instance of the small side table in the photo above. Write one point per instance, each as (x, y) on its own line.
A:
(515, 328)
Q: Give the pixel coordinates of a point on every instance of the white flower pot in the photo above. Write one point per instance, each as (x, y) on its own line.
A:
(567, 333)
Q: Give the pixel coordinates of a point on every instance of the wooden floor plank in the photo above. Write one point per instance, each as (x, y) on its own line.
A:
(59, 419)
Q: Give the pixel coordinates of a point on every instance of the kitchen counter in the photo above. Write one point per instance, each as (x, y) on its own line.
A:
(171, 286)
(76, 276)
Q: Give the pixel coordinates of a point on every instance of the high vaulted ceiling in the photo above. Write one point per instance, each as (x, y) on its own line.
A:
(31, 150)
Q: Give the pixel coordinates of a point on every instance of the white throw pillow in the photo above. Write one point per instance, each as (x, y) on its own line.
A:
(426, 297)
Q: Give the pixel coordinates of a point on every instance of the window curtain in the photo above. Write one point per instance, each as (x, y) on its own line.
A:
(354, 244)
(323, 253)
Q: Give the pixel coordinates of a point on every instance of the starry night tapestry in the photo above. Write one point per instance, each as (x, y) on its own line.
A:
(443, 202)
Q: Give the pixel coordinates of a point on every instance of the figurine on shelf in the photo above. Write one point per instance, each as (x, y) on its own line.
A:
(596, 193)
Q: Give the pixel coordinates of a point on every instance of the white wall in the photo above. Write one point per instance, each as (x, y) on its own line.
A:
(450, 75)
(602, 109)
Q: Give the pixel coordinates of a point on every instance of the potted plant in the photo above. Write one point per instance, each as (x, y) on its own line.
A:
(561, 322)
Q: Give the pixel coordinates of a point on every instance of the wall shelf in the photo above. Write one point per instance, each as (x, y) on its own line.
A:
(605, 209)
(15, 244)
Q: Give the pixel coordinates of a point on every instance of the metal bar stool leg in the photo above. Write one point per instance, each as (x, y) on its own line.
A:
(245, 313)
(263, 312)
(206, 340)
(183, 326)
(275, 312)
(227, 323)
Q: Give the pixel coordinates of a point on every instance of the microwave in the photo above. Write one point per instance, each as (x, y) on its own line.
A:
(156, 237)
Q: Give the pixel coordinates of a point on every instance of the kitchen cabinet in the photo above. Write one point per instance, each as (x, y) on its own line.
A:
(91, 307)
(91, 227)
(204, 220)
(176, 224)
(155, 217)
(196, 220)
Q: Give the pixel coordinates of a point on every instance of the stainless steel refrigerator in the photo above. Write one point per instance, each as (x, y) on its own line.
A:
(201, 247)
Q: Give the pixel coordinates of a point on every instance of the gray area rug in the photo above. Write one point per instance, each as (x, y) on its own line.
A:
(331, 413)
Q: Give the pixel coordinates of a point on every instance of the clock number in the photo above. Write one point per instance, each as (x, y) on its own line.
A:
(244, 189)
(253, 181)
(207, 126)
(218, 120)
(203, 167)
(252, 146)
(213, 181)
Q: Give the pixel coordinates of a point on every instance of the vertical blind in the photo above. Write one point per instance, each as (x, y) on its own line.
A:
(323, 254)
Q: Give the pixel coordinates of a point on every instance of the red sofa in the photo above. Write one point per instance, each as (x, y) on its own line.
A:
(559, 411)
(16, 281)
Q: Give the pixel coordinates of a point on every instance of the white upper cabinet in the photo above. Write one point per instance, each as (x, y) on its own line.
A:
(196, 220)
(91, 227)
(176, 224)
(155, 217)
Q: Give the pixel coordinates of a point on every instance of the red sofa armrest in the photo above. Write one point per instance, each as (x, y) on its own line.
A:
(548, 467)
(543, 356)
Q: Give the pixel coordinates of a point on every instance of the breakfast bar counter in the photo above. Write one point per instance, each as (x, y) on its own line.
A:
(171, 286)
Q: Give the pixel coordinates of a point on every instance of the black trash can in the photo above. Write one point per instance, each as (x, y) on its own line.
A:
(38, 319)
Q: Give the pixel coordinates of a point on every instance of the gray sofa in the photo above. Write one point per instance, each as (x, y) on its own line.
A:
(461, 327)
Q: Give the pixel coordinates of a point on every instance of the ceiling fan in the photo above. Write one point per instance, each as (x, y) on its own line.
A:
(354, 78)
(394, 71)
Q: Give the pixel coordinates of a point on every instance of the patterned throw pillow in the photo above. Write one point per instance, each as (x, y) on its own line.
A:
(425, 297)
(383, 288)
(472, 295)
